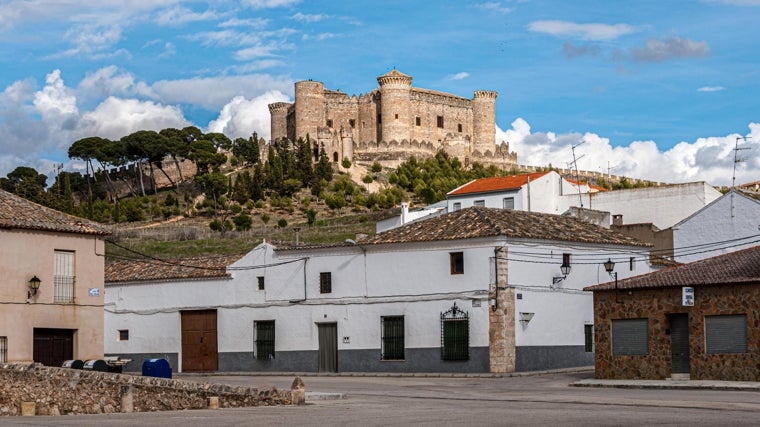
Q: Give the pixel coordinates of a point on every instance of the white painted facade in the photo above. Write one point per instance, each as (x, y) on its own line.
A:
(662, 206)
(728, 224)
(408, 216)
(550, 193)
(368, 282)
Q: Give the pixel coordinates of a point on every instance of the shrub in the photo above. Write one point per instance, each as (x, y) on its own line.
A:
(376, 167)
(367, 179)
(282, 223)
(242, 222)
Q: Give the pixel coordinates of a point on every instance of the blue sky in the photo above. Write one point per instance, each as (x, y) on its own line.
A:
(657, 90)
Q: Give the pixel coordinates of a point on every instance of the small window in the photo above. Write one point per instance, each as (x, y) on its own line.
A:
(439, 121)
(261, 282)
(479, 203)
(393, 337)
(396, 116)
(3, 349)
(456, 260)
(459, 127)
(325, 282)
(588, 333)
(329, 123)
(509, 203)
(352, 123)
(630, 337)
(123, 334)
(632, 263)
(565, 259)
(418, 121)
(457, 206)
(63, 276)
(263, 339)
(726, 334)
(379, 118)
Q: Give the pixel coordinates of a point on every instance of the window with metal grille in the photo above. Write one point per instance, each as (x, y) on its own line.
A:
(439, 121)
(509, 203)
(261, 282)
(479, 203)
(325, 282)
(457, 206)
(63, 276)
(264, 339)
(588, 333)
(630, 337)
(123, 334)
(726, 334)
(393, 337)
(3, 349)
(456, 259)
(455, 335)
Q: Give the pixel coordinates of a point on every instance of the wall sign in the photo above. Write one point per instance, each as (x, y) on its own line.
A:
(687, 296)
(94, 292)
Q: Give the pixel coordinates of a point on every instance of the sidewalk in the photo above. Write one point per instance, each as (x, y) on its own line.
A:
(671, 384)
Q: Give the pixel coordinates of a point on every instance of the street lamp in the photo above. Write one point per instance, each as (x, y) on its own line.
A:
(34, 285)
(609, 266)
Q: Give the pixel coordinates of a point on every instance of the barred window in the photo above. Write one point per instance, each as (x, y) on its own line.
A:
(123, 334)
(261, 282)
(588, 333)
(325, 282)
(393, 337)
(509, 203)
(3, 349)
(63, 276)
(455, 335)
(263, 339)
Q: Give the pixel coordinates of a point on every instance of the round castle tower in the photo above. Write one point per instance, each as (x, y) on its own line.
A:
(310, 108)
(395, 106)
(278, 113)
(483, 120)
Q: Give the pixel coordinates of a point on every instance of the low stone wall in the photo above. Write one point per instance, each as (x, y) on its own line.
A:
(60, 391)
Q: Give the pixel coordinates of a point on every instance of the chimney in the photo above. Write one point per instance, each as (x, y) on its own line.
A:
(617, 219)
(404, 212)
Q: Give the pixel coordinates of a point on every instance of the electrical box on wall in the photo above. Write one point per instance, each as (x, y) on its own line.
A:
(346, 340)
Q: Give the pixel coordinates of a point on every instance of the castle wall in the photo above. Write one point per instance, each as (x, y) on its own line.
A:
(483, 118)
(310, 108)
(278, 117)
(429, 105)
(395, 107)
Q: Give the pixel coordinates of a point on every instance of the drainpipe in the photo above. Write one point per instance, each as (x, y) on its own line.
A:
(528, 193)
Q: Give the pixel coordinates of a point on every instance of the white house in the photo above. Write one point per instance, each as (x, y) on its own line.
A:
(477, 290)
(408, 215)
(546, 192)
(663, 205)
(729, 223)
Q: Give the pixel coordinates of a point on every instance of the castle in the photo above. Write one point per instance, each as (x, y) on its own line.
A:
(392, 123)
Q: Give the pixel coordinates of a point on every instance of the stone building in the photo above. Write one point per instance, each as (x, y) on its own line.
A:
(695, 321)
(392, 123)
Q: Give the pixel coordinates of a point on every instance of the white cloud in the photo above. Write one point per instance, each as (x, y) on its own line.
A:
(300, 17)
(55, 102)
(494, 7)
(596, 32)
(657, 50)
(710, 89)
(255, 23)
(214, 92)
(458, 76)
(265, 4)
(92, 39)
(241, 117)
(116, 117)
(319, 37)
(707, 159)
(179, 15)
(109, 81)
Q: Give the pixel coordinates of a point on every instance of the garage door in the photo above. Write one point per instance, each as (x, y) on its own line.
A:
(53, 346)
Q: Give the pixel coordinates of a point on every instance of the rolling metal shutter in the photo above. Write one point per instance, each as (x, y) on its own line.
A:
(726, 334)
(630, 337)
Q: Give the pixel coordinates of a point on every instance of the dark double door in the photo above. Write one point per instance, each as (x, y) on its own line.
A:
(53, 346)
(199, 341)
(679, 343)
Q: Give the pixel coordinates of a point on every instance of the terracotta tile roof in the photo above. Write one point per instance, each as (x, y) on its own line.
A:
(740, 267)
(591, 186)
(479, 221)
(171, 269)
(501, 183)
(17, 212)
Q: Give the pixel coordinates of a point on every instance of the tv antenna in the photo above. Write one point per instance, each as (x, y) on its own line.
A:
(575, 164)
(737, 159)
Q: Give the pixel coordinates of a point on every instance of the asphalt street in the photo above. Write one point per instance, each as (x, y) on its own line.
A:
(446, 401)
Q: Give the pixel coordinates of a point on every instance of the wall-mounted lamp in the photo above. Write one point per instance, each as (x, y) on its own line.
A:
(526, 317)
(609, 266)
(564, 269)
(34, 285)
(492, 302)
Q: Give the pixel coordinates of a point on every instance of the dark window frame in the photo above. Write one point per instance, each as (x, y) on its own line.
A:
(456, 262)
(588, 335)
(418, 121)
(504, 203)
(123, 334)
(459, 127)
(329, 123)
(260, 280)
(325, 282)
(456, 206)
(393, 337)
(264, 339)
(3, 349)
(439, 121)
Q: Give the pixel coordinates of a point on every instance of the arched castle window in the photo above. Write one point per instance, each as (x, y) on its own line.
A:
(459, 127)
(440, 121)
(352, 123)
(335, 157)
(329, 123)
(418, 121)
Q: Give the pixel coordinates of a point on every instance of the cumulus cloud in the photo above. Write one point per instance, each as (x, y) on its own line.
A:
(214, 93)
(596, 32)
(109, 81)
(708, 159)
(710, 89)
(241, 117)
(656, 50)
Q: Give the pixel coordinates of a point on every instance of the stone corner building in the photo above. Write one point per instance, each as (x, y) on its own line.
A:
(392, 123)
(643, 329)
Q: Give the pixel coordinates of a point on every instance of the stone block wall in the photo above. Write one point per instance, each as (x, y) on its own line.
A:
(61, 391)
(655, 305)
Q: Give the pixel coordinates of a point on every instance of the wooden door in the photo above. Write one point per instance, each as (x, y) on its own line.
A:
(328, 347)
(53, 346)
(199, 341)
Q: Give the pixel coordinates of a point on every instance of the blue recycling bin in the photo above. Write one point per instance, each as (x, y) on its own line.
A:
(158, 368)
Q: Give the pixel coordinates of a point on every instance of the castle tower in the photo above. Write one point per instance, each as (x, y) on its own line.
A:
(484, 120)
(310, 108)
(278, 114)
(395, 106)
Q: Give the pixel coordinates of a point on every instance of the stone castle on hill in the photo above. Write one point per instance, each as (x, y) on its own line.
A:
(392, 123)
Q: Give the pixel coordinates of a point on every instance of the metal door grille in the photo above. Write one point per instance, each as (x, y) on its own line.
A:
(3, 349)
(264, 339)
(455, 334)
(393, 337)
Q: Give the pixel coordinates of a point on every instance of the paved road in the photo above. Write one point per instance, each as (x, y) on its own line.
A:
(524, 401)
